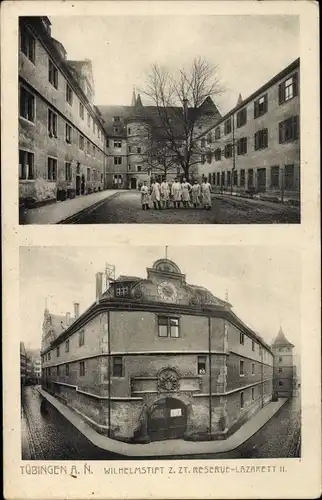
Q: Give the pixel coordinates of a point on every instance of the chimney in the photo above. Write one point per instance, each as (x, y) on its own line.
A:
(76, 310)
(67, 318)
(99, 286)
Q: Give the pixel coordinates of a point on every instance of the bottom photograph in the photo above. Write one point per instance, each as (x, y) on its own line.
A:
(147, 352)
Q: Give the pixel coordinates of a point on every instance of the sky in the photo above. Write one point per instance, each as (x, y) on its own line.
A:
(248, 50)
(263, 283)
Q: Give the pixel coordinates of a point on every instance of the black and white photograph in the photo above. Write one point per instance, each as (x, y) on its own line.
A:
(159, 119)
(160, 352)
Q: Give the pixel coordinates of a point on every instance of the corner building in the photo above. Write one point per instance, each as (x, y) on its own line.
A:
(61, 136)
(157, 358)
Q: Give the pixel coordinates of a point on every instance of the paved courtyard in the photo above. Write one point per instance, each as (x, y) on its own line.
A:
(125, 207)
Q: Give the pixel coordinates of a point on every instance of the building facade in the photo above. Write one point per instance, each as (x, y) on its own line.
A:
(36, 369)
(284, 370)
(255, 148)
(23, 363)
(61, 137)
(157, 358)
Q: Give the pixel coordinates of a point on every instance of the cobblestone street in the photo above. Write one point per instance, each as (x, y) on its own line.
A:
(125, 207)
(49, 436)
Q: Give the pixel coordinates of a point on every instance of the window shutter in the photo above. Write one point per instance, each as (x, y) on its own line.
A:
(255, 109)
(280, 132)
(295, 84)
(256, 140)
(281, 93)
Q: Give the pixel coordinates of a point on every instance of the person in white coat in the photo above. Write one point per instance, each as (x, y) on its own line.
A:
(156, 195)
(145, 196)
(206, 194)
(186, 188)
(165, 193)
(176, 192)
(195, 193)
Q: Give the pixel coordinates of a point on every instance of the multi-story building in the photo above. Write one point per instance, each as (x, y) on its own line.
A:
(130, 132)
(255, 148)
(283, 365)
(23, 363)
(61, 137)
(157, 358)
(36, 369)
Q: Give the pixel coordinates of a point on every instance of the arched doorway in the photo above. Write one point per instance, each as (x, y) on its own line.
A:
(167, 419)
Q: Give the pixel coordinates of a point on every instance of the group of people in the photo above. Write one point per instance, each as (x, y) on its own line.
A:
(178, 193)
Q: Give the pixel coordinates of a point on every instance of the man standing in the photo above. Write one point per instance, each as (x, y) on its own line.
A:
(195, 192)
(156, 195)
(186, 188)
(176, 193)
(145, 196)
(165, 193)
(206, 194)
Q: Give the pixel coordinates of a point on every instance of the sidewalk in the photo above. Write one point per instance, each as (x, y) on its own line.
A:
(170, 447)
(264, 198)
(61, 210)
(255, 201)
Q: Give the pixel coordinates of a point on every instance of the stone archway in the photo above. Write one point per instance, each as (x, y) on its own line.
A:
(167, 419)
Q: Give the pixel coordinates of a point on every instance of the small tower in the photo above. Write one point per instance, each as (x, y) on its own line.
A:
(283, 365)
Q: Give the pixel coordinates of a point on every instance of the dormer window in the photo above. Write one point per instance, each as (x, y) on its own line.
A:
(121, 291)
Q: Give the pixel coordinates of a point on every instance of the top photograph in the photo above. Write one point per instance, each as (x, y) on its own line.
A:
(159, 119)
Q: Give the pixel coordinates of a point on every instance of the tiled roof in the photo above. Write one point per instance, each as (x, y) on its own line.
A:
(281, 339)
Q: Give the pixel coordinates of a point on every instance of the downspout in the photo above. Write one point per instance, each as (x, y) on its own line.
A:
(109, 372)
(210, 378)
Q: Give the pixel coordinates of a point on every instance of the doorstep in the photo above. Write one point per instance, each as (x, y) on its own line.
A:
(170, 447)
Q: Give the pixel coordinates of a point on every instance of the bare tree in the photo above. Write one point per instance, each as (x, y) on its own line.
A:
(178, 100)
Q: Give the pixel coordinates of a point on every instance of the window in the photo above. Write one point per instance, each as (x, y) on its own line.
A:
(227, 126)
(81, 142)
(67, 346)
(51, 169)
(253, 393)
(27, 105)
(288, 89)
(241, 338)
(261, 139)
(242, 146)
(253, 346)
(280, 370)
(139, 150)
(81, 110)
(242, 400)
(218, 178)
(280, 383)
(116, 119)
(228, 151)
(58, 351)
(242, 178)
(88, 174)
(139, 168)
(235, 177)
(94, 127)
(217, 133)
(81, 338)
(168, 327)
(67, 370)
(117, 160)
(241, 117)
(52, 74)
(202, 365)
(27, 44)
(26, 165)
(203, 142)
(209, 157)
(69, 94)
(253, 368)
(68, 171)
(218, 154)
(250, 177)
(118, 144)
(202, 159)
(275, 175)
(260, 106)
(241, 368)
(223, 178)
(228, 178)
(118, 366)
(49, 356)
(130, 149)
(94, 151)
(121, 291)
(289, 130)
(260, 350)
(58, 367)
(52, 123)
(129, 131)
(289, 177)
(116, 130)
(68, 133)
(88, 147)
(88, 119)
(82, 368)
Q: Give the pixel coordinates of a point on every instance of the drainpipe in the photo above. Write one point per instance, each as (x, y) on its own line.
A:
(109, 372)
(210, 378)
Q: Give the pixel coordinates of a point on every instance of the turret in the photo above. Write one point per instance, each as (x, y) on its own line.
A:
(283, 365)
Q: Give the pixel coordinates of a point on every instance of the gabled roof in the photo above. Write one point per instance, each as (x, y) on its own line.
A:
(128, 278)
(281, 340)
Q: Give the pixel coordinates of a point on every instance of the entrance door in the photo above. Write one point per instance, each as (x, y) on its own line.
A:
(83, 184)
(78, 185)
(261, 180)
(133, 183)
(167, 419)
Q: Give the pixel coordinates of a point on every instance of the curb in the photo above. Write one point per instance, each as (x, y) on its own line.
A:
(69, 219)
